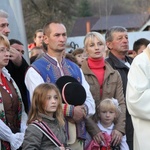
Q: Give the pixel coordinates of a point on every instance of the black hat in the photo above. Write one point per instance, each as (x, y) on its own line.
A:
(71, 90)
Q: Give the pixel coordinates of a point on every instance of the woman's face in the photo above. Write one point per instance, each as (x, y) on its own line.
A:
(39, 39)
(4, 55)
(95, 48)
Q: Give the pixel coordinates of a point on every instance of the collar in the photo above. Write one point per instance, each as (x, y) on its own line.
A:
(46, 117)
(119, 63)
(105, 129)
(6, 74)
(54, 60)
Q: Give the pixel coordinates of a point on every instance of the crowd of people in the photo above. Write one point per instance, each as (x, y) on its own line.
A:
(113, 88)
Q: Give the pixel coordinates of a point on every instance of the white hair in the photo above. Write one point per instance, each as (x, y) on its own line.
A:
(3, 14)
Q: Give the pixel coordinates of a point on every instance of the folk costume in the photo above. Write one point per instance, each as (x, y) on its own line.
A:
(18, 74)
(12, 114)
(47, 69)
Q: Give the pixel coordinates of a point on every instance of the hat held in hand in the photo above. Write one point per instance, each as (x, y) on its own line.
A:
(71, 90)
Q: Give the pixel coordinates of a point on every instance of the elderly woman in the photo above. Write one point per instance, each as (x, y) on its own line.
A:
(12, 114)
(104, 82)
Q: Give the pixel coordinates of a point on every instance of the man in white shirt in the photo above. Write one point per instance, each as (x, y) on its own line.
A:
(52, 66)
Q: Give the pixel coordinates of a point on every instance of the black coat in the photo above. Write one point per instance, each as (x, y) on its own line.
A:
(18, 74)
(123, 70)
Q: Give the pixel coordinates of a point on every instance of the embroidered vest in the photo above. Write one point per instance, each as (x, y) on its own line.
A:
(10, 110)
(47, 68)
(49, 71)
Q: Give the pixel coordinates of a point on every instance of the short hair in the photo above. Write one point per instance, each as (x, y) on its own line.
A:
(46, 29)
(39, 103)
(138, 43)
(77, 51)
(4, 40)
(15, 41)
(3, 14)
(91, 35)
(109, 32)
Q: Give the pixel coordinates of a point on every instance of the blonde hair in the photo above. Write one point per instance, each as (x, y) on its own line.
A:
(34, 51)
(39, 101)
(108, 104)
(4, 40)
(90, 36)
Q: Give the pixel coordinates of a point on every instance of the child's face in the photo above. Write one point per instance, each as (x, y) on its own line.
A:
(52, 101)
(107, 117)
(80, 58)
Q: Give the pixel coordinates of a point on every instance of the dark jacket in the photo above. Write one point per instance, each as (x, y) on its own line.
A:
(123, 70)
(18, 74)
(121, 67)
(112, 87)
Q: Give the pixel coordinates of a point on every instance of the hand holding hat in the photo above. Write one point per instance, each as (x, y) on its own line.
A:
(72, 91)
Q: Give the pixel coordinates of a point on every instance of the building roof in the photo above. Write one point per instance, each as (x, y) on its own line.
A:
(80, 26)
(129, 21)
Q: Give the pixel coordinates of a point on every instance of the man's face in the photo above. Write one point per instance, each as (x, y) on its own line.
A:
(120, 43)
(4, 29)
(57, 38)
(18, 47)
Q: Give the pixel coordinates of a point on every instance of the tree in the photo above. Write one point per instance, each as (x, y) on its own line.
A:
(84, 9)
(38, 12)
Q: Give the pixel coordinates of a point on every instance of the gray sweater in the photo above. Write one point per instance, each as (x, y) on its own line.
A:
(35, 140)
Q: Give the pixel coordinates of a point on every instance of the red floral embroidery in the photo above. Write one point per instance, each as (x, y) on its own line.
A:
(0, 100)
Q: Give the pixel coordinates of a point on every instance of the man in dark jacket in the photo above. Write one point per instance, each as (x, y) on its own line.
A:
(118, 44)
(17, 65)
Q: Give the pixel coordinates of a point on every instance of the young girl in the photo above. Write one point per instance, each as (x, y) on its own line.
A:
(45, 115)
(79, 55)
(108, 111)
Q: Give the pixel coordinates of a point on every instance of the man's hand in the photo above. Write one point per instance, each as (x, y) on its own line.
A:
(116, 137)
(99, 138)
(15, 56)
(79, 113)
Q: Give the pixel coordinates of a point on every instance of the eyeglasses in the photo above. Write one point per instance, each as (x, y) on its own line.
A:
(4, 50)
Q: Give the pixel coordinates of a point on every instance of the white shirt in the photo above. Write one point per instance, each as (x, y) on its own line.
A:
(108, 130)
(33, 79)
